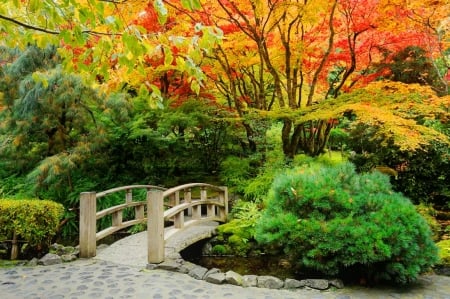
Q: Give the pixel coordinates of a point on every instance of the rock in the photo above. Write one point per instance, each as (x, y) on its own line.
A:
(216, 278)
(186, 267)
(207, 249)
(50, 259)
(234, 278)
(318, 284)
(270, 282)
(293, 283)
(169, 265)
(151, 266)
(33, 262)
(337, 283)
(67, 250)
(210, 272)
(249, 281)
(68, 258)
(198, 272)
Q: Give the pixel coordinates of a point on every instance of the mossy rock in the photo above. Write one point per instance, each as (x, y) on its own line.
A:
(444, 252)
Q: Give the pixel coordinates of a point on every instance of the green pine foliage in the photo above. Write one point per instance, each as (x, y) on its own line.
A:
(336, 221)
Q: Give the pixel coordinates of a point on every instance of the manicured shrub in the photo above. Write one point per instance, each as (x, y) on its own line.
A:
(336, 221)
(32, 221)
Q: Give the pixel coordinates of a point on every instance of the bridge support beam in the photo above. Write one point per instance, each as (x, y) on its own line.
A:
(155, 226)
(88, 224)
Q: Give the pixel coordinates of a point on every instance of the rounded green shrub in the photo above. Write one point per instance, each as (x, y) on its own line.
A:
(336, 221)
(31, 220)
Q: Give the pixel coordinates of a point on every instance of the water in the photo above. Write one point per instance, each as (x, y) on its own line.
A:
(277, 266)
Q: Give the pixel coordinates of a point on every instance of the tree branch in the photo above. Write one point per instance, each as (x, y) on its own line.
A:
(48, 31)
(28, 26)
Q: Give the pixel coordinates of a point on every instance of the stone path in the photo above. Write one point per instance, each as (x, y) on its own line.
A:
(119, 271)
(100, 280)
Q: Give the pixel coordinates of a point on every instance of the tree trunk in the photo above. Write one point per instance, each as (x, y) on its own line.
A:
(310, 138)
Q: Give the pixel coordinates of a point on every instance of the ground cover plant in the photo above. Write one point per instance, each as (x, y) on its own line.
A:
(336, 221)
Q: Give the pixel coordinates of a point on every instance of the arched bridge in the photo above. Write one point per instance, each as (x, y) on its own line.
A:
(165, 211)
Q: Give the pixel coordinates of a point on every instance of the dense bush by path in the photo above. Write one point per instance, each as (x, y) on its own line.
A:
(333, 220)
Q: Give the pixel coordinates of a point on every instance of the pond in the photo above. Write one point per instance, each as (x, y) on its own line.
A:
(259, 265)
(264, 265)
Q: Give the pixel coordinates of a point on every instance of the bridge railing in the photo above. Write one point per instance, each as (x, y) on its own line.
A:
(89, 215)
(183, 206)
(210, 204)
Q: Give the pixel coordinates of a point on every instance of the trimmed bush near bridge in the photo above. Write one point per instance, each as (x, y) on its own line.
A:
(31, 221)
(338, 222)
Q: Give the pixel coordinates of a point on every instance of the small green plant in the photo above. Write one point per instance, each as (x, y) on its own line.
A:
(237, 236)
(137, 228)
(336, 221)
(220, 249)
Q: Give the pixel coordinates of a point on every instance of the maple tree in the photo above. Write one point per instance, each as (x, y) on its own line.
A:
(295, 54)
(274, 55)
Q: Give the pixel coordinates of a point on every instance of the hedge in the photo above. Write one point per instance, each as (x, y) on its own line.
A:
(30, 220)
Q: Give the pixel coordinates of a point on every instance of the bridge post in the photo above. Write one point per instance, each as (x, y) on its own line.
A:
(155, 226)
(88, 224)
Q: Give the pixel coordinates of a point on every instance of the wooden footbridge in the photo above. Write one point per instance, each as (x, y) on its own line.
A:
(165, 211)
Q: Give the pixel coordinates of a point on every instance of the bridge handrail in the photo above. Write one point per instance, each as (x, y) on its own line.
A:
(169, 191)
(125, 188)
(216, 207)
(181, 207)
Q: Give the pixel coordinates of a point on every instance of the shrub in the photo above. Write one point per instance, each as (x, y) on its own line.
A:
(333, 220)
(237, 236)
(33, 221)
(444, 252)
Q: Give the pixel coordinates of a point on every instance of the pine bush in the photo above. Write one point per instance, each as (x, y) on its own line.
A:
(335, 221)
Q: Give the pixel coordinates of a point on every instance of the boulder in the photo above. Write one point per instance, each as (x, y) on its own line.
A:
(216, 278)
(318, 284)
(337, 283)
(293, 283)
(50, 259)
(198, 272)
(249, 281)
(234, 278)
(270, 282)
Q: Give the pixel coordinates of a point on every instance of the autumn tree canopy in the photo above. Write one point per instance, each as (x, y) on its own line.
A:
(266, 56)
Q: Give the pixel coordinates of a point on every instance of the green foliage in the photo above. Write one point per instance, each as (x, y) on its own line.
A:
(429, 214)
(335, 221)
(413, 65)
(235, 171)
(236, 237)
(422, 174)
(444, 252)
(34, 221)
